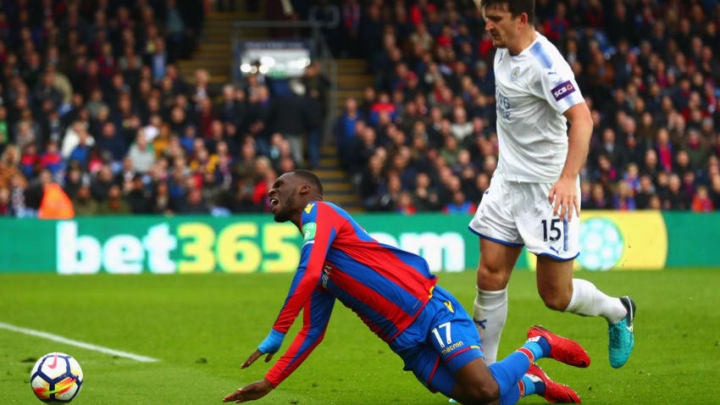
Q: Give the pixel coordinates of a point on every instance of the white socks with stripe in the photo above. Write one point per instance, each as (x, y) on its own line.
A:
(489, 313)
(491, 307)
(587, 300)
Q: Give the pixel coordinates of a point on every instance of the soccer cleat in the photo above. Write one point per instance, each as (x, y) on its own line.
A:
(562, 349)
(622, 336)
(554, 392)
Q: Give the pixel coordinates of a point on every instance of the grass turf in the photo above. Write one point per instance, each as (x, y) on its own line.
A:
(203, 327)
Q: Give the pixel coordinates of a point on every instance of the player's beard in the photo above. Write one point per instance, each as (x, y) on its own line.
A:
(285, 210)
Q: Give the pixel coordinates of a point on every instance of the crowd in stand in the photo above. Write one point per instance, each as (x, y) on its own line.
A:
(91, 100)
(423, 137)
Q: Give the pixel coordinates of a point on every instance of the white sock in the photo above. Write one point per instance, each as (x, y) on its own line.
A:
(587, 300)
(489, 314)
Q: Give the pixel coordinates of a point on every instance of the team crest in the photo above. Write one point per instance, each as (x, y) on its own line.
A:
(309, 208)
(515, 74)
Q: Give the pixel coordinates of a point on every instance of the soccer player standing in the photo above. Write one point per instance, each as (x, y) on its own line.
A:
(394, 293)
(533, 198)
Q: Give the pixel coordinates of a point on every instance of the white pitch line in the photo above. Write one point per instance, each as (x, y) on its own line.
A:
(77, 343)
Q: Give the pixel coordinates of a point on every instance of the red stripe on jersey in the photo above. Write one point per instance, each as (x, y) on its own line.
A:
(457, 353)
(409, 320)
(385, 263)
(432, 374)
(374, 300)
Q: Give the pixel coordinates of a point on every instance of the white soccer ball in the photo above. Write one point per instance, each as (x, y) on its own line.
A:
(56, 377)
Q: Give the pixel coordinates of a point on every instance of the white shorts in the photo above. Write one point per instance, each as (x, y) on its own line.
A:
(519, 214)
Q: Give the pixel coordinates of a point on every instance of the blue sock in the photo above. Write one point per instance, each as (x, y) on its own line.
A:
(511, 397)
(532, 387)
(539, 347)
(509, 371)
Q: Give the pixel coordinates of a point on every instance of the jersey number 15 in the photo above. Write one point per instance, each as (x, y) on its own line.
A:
(554, 230)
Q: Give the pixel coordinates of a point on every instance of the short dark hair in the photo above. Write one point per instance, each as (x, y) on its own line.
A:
(515, 7)
(311, 177)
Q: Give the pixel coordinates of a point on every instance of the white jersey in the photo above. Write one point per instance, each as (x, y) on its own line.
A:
(533, 90)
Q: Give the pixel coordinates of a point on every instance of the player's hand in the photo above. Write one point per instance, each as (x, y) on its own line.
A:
(250, 392)
(563, 196)
(254, 357)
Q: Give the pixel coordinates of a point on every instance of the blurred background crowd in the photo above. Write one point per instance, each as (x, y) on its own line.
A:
(91, 101)
(92, 105)
(423, 137)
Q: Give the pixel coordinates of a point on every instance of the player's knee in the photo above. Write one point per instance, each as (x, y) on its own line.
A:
(490, 278)
(556, 300)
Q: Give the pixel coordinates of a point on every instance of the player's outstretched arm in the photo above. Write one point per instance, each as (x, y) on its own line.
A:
(306, 279)
(304, 294)
(316, 315)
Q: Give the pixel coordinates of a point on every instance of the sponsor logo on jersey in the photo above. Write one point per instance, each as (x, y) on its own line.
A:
(309, 231)
(563, 90)
(452, 347)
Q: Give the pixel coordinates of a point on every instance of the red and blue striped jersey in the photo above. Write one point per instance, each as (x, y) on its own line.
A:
(386, 286)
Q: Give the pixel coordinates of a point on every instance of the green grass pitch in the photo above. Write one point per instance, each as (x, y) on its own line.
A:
(203, 327)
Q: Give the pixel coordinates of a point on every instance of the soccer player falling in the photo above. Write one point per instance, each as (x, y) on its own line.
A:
(395, 294)
(533, 199)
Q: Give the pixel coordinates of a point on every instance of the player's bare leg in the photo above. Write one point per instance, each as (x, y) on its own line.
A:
(490, 308)
(555, 282)
(561, 292)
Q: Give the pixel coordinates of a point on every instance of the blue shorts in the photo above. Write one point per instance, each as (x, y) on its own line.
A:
(439, 342)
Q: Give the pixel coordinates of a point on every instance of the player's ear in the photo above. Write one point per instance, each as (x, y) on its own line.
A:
(523, 19)
(304, 189)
